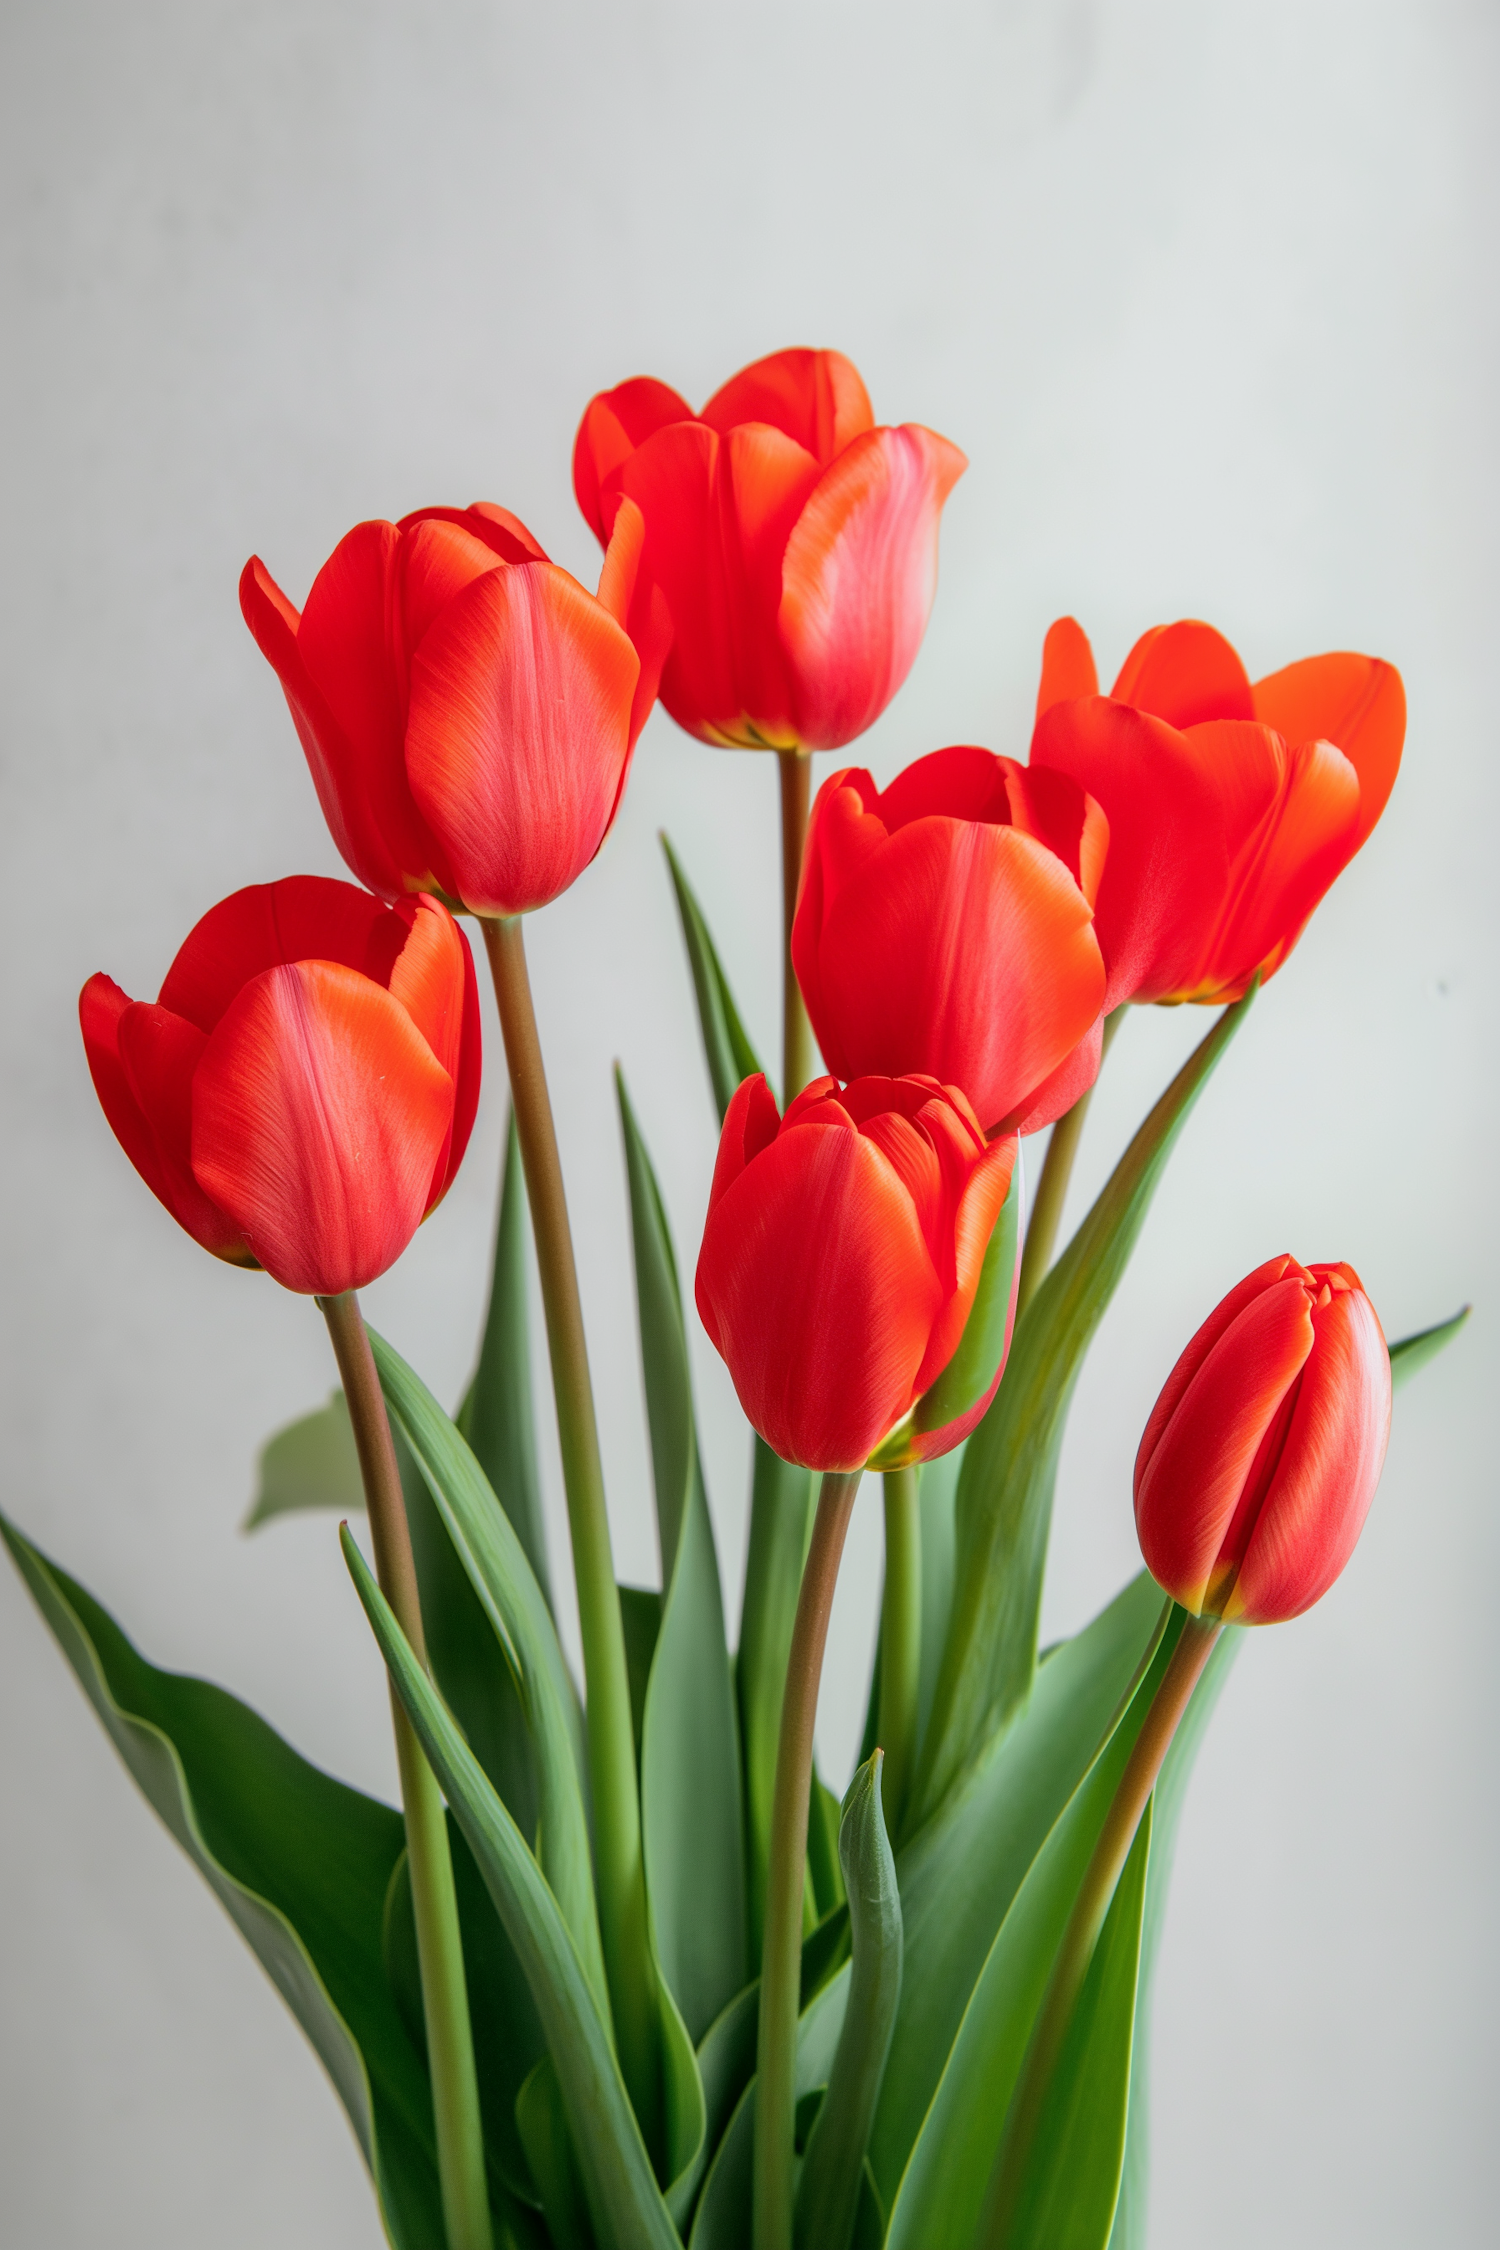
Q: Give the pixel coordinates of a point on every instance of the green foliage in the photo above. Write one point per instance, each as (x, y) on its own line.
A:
(310, 1464)
(726, 1048)
(1413, 1352)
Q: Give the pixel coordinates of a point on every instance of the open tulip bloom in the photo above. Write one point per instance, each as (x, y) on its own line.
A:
(622, 1972)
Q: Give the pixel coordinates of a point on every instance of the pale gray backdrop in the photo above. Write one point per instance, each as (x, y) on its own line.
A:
(1206, 292)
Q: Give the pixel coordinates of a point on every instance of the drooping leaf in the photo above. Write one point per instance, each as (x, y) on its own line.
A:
(781, 1517)
(960, 1874)
(494, 1561)
(310, 1464)
(1004, 1504)
(497, 1415)
(625, 2205)
(728, 1051)
(300, 1863)
(833, 2170)
(942, 2190)
(1413, 1352)
(722, 2221)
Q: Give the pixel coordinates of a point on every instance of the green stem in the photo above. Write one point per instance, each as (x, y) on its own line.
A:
(900, 1640)
(445, 1998)
(611, 1742)
(1052, 1187)
(1183, 1672)
(781, 1964)
(796, 1031)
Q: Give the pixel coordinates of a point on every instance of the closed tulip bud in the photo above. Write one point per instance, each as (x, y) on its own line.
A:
(795, 543)
(301, 1094)
(945, 925)
(857, 1273)
(1232, 806)
(1262, 1455)
(467, 709)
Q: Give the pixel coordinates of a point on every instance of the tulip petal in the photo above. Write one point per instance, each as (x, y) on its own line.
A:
(438, 557)
(1072, 1079)
(1355, 701)
(815, 1285)
(969, 1231)
(1305, 842)
(762, 485)
(433, 978)
(615, 423)
(966, 950)
(496, 528)
(1068, 668)
(1316, 1506)
(815, 398)
(1185, 673)
(1223, 1316)
(101, 1006)
(318, 1116)
(264, 926)
(518, 736)
(859, 577)
(1191, 1485)
(751, 1123)
(673, 479)
(160, 1053)
(636, 603)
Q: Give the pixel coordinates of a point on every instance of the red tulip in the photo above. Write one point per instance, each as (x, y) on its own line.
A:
(794, 542)
(302, 1093)
(467, 710)
(853, 1254)
(945, 925)
(1262, 1454)
(1232, 807)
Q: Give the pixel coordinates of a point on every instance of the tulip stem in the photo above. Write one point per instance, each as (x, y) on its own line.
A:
(796, 1031)
(781, 1961)
(1076, 1952)
(611, 1741)
(900, 1640)
(1052, 1187)
(445, 1998)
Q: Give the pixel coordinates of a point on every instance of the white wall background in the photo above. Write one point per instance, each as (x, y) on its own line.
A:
(1207, 293)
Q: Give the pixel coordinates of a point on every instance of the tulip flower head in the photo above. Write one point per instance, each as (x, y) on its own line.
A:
(795, 543)
(467, 709)
(301, 1094)
(1261, 1457)
(1232, 807)
(945, 925)
(857, 1273)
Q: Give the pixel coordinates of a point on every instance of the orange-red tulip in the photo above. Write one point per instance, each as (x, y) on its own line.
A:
(1232, 806)
(302, 1093)
(842, 1262)
(467, 709)
(1262, 1455)
(945, 925)
(794, 542)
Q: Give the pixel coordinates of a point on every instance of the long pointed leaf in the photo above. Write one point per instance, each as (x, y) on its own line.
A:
(728, 1051)
(781, 1516)
(624, 2202)
(300, 1863)
(833, 2169)
(1413, 1352)
(723, 2216)
(493, 1558)
(310, 1464)
(1004, 1505)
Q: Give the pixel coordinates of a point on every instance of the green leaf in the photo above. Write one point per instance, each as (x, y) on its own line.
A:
(942, 2190)
(1413, 1352)
(310, 1464)
(495, 1563)
(300, 1863)
(728, 1051)
(960, 1874)
(1129, 2232)
(824, 1875)
(624, 2203)
(937, 1491)
(496, 1415)
(781, 1517)
(690, 1767)
(833, 2170)
(542, 2123)
(723, 2216)
(1004, 1505)
(640, 1621)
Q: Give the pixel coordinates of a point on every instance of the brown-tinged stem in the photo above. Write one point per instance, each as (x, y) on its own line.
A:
(445, 1998)
(796, 1031)
(781, 1960)
(1183, 1672)
(1052, 1187)
(611, 1741)
(900, 1640)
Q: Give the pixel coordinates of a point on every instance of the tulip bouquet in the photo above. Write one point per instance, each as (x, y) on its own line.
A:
(622, 1971)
